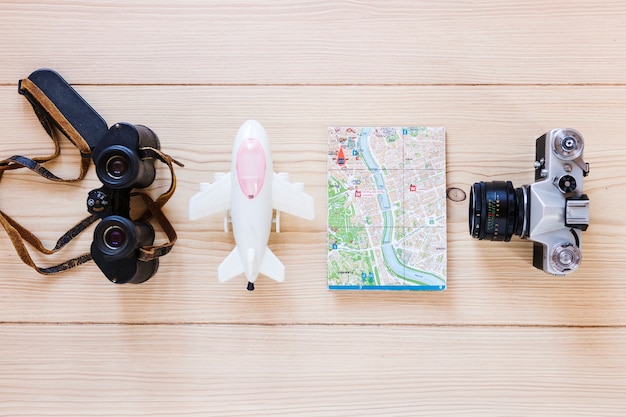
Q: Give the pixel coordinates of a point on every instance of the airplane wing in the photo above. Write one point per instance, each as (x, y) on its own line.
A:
(213, 198)
(290, 198)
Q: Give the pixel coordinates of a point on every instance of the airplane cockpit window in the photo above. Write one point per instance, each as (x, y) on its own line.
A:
(251, 167)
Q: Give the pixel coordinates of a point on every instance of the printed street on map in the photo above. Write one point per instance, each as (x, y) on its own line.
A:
(387, 208)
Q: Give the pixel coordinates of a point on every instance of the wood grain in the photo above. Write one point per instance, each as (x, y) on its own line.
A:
(317, 42)
(311, 370)
(503, 340)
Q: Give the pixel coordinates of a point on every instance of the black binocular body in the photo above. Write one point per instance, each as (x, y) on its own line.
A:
(121, 166)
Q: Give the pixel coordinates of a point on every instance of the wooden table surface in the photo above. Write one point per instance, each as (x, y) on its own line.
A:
(504, 339)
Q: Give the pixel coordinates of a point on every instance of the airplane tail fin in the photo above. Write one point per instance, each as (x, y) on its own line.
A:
(230, 267)
(272, 266)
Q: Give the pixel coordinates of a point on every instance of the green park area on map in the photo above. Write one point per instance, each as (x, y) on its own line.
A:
(386, 208)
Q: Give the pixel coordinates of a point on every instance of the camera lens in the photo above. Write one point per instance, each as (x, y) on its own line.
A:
(116, 166)
(114, 237)
(497, 211)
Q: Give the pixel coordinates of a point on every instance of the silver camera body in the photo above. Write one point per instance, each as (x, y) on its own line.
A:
(552, 212)
(557, 210)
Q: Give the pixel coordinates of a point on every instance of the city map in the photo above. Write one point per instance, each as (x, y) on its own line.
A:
(387, 208)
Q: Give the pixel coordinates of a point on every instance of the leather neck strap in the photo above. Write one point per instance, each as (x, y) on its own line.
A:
(14, 230)
(49, 116)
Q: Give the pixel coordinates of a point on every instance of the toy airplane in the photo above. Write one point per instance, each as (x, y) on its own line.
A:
(251, 190)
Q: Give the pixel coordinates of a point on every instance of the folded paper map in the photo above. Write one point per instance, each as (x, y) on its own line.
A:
(387, 208)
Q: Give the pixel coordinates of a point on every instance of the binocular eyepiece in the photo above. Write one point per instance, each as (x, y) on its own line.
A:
(118, 157)
(121, 165)
(115, 246)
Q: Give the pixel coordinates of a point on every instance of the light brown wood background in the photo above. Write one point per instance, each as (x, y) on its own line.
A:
(503, 340)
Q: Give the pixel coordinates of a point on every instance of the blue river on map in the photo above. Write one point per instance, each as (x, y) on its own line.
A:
(384, 202)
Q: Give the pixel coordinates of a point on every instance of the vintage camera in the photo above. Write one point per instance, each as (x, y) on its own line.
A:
(121, 165)
(552, 212)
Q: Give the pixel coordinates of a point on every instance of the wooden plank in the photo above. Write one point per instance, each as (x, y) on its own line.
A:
(504, 339)
(311, 371)
(490, 132)
(316, 42)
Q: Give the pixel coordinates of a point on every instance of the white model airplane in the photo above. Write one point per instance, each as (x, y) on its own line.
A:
(251, 190)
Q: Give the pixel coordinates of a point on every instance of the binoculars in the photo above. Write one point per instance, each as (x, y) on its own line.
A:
(121, 165)
(124, 156)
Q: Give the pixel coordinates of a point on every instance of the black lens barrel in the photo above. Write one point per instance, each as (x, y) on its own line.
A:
(497, 210)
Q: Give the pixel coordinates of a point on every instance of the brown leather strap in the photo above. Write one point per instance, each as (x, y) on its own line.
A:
(53, 133)
(169, 161)
(18, 161)
(154, 207)
(63, 240)
(20, 248)
(148, 253)
(49, 116)
(40, 101)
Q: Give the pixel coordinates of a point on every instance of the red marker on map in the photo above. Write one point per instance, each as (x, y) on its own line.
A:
(341, 159)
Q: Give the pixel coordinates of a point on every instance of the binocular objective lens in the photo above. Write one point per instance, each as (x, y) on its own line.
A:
(114, 237)
(117, 166)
